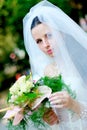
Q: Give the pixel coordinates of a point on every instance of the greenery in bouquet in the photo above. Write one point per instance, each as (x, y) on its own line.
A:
(56, 84)
(28, 101)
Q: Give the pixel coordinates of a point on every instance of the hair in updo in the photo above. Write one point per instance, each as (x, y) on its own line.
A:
(35, 22)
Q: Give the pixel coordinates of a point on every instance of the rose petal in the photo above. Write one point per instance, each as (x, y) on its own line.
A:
(45, 91)
(18, 117)
(11, 113)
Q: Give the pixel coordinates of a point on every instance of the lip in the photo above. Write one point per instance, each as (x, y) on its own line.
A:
(50, 51)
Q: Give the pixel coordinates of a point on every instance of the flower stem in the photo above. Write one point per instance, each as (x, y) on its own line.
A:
(5, 109)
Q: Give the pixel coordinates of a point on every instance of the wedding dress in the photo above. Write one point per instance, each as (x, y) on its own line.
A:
(70, 59)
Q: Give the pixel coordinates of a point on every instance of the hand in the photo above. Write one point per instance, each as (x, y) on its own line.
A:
(50, 117)
(61, 100)
(64, 100)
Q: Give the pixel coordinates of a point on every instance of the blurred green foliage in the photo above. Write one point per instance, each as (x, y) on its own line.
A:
(11, 37)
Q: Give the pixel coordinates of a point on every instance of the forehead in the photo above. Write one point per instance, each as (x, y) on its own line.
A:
(40, 30)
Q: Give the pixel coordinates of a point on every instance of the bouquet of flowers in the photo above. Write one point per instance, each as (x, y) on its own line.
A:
(29, 101)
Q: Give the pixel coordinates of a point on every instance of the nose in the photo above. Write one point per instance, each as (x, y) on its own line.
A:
(45, 43)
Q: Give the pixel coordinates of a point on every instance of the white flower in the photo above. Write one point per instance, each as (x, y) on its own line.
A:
(17, 85)
(22, 85)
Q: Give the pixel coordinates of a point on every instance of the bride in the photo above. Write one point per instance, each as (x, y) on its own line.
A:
(57, 45)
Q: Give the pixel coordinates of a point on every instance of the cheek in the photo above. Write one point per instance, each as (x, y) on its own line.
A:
(41, 47)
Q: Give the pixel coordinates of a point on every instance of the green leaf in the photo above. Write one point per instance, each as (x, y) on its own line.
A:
(37, 118)
(56, 84)
(21, 126)
(9, 96)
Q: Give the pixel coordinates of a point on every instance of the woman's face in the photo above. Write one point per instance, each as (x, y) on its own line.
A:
(43, 37)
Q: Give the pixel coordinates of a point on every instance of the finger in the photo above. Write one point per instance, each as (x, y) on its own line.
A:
(56, 94)
(58, 106)
(56, 97)
(57, 101)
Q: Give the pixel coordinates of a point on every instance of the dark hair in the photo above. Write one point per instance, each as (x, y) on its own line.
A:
(35, 22)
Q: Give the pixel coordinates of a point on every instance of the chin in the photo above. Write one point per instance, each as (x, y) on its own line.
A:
(51, 55)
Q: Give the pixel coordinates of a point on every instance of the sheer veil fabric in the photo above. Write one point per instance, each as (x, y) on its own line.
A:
(70, 49)
(74, 37)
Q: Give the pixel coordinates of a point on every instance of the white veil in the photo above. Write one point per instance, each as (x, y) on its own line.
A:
(71, 47)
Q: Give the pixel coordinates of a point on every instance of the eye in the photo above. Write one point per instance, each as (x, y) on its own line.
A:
(38, 41)
(49, 35)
